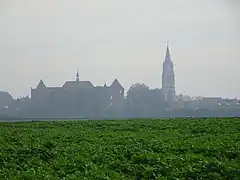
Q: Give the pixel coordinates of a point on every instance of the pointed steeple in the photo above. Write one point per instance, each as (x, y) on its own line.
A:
(41, 84)
(77, 76)
(116, 84)
(168, 79)
(167, 56)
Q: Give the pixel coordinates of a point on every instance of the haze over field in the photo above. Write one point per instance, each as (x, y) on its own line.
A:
(125, 39)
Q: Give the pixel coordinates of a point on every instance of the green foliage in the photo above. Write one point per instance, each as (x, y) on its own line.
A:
(127, 149)
(144, 102)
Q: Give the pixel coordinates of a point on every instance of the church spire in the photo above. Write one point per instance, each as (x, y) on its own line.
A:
(77, 76)
(168, 79)
(167, 56)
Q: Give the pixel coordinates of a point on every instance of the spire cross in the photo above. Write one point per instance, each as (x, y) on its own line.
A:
(77, 76)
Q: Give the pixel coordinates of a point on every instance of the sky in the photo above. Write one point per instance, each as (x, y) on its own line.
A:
(104, 40)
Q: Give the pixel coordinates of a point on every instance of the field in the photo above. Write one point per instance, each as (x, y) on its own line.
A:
(127, 149)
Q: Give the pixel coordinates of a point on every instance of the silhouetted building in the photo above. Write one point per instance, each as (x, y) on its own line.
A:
(78, 98)
(168, 79)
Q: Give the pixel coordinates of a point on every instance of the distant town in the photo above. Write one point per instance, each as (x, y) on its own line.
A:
(81, 99)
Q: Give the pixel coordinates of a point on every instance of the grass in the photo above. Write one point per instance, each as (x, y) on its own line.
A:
(130, 149)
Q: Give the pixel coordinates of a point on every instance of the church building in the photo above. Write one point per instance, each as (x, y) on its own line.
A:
(78, 98)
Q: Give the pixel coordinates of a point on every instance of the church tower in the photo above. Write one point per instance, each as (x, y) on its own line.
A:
(168, 79)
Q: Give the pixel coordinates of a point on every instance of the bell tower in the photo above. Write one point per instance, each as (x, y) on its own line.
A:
(168, 79)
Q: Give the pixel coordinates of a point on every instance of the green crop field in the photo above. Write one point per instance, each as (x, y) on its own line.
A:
(127, 149)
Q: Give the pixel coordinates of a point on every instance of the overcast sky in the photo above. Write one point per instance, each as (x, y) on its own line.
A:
(124, 39)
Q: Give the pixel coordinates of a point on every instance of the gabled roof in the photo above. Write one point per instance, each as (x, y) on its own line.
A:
(77, 84)
(116, 84)
(5, 95)
(5, 99)
(41, 84)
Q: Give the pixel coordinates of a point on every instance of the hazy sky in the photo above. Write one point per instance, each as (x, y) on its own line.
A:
(124, 39)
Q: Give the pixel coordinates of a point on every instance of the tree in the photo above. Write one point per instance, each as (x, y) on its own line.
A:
(144, 102)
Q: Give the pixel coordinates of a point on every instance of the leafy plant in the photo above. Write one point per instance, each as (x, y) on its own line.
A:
(206, 148)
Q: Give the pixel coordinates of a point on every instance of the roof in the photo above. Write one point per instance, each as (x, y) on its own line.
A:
(116, 84)
(5, 98)
(77, 84)
(41, 84)
(4, 94)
